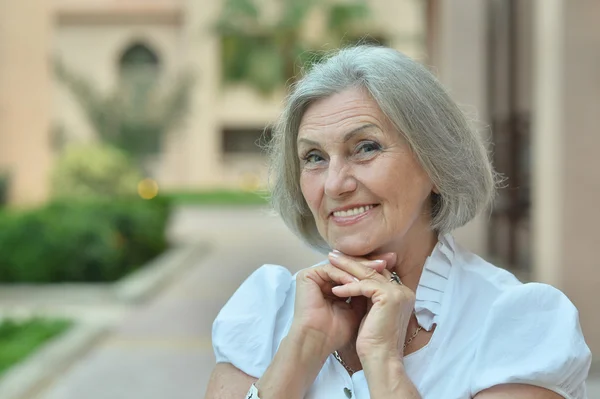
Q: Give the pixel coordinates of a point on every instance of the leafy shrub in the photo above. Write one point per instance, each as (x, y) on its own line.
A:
(81, 241)
(94, 171)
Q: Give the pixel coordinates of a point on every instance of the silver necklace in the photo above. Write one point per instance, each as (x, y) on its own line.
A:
(352, 371)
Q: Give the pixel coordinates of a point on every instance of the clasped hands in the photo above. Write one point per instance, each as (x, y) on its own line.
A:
(377, 317)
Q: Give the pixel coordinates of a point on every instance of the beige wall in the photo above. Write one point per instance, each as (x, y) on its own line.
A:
(567, 182)
(24, 97)
(581, 139)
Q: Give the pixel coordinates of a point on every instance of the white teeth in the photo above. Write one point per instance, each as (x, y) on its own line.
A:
(352, 212)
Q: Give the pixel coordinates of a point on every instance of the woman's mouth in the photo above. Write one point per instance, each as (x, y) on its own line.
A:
(352, 215)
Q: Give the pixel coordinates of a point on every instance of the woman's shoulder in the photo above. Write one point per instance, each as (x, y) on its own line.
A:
(476, 278)
(248, 329)
(477, 284)
(531, 334)
(264, 291)
(489, 291)
(474, 269)
(522, 332)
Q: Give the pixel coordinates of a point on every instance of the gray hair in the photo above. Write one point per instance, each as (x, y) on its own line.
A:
(448, 147)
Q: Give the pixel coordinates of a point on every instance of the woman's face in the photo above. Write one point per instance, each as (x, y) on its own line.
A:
(364, 187)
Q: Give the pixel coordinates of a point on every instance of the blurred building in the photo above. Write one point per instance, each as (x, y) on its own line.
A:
(216, 147)
(527, 68)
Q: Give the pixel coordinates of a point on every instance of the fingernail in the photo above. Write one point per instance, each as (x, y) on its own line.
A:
(379, 261)
(355, 279)
(334, 254)
(336, 251)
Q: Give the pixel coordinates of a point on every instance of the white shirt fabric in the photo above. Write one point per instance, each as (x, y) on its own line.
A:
(490, 329)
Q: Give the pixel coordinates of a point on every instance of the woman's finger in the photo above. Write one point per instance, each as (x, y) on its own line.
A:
(366, 288)
(327, 276)
(372, 261)
(373, 290)
(390, 259)
(338, 275)
(360, 270)
(388, 275)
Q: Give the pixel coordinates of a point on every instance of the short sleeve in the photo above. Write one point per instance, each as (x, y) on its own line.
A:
(249, 328)
(532, 336)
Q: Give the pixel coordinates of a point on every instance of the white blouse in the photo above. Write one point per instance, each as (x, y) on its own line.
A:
(491, 329)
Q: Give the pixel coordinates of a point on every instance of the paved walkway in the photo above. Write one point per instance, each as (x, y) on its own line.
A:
(163, 350)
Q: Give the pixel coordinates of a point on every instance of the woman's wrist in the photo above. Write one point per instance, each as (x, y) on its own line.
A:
(295, 366)
(387, 376)
(307, 337)
(379, 355)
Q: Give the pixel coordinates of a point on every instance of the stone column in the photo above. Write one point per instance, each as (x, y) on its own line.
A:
(25, 29)
(566, 139)
(459, 58)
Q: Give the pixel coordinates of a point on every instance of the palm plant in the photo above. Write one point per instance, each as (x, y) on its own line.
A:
(266, 54)
(123, 118)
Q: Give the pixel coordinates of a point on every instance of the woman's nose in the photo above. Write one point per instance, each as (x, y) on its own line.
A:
(340, 180)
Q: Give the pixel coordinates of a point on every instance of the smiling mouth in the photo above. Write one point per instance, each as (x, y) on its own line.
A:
(354, 211)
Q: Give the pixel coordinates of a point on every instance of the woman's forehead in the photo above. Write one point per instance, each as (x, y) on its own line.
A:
(342, 113)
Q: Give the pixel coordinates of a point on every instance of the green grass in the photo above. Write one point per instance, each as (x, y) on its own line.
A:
(218, 197)
(19, 339)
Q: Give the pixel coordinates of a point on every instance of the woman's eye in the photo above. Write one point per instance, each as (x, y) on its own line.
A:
(368, 147)
(312, 158)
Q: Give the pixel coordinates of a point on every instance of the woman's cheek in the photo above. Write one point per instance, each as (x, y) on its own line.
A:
(309, 185)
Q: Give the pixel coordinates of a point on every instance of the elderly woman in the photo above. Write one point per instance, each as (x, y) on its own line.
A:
(376, 165)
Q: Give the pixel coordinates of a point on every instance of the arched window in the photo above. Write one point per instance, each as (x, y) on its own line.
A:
(139, 69)
(139, 54)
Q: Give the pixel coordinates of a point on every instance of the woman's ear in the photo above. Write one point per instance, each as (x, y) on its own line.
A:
(435, 190)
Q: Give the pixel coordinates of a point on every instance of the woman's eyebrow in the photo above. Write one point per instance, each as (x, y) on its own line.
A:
(347, 137)
(308, 142)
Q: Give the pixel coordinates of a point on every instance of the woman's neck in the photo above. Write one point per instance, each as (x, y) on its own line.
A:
(413, 250)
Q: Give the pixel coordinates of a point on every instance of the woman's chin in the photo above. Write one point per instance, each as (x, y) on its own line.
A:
(354, 247)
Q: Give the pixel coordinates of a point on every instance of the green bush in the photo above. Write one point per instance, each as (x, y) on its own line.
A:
(94, 171)
(81, 241)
